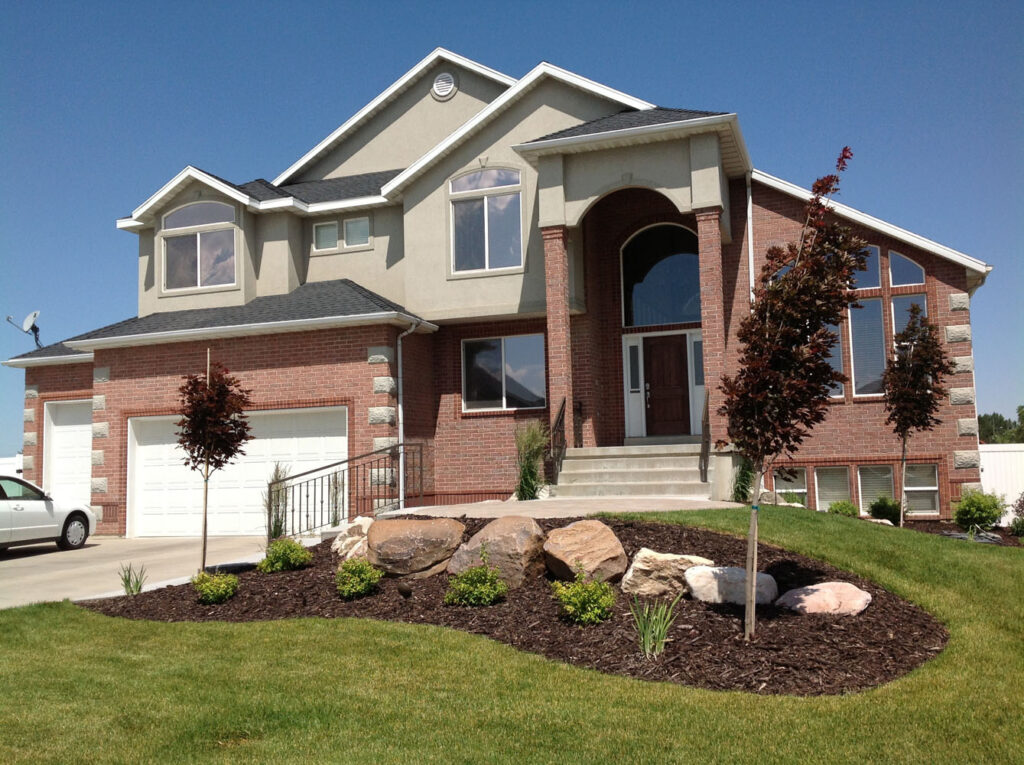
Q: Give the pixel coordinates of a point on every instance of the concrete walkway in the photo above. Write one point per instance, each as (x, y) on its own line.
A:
(569, 507)
(36, 573)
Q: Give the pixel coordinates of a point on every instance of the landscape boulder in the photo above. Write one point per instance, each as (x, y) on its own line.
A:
(587, 544)
(402, 547)
(514, 545)
(727, 584)
(655, 575)
(350, 535)
(841, 598)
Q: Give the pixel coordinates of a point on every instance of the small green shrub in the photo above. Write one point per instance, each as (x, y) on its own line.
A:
(793, 498)
(275, 502)
(531, 441)
(844, 507)
(584, 602)
(1017, 526)
(744, 478)
(132, 580)
(976, 508)
(887, 509)
(214, 588)
(356, 578)
(284, 555)
(652, 622)
(476, 586)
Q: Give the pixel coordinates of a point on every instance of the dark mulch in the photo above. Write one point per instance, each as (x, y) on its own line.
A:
(791, 654)
(1006, 539)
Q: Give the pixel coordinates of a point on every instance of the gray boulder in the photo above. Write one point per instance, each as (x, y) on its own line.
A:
(727, 584)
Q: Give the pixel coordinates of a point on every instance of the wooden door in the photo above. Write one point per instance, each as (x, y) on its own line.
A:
(666, 386)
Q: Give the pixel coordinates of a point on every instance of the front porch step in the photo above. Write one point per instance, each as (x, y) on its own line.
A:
(647, 450)
(576, 472)
(648, 470)
(594, 464)
(681, 489)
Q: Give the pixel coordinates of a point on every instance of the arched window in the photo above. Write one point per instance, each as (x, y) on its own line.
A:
(201, 251)
(661, 277)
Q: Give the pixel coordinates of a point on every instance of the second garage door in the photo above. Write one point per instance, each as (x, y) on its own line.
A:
(166, 498)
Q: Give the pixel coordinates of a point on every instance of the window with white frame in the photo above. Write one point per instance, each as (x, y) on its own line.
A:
(922, 489)
(832, 484)
(795, 485)
(325, 236)
(875, 481)
(357, 232)
(901, 310)
(871, 277)
(835, 360)
(867, 347)
(486, 220)
(199, 246)
(903, 271)
(504, 373)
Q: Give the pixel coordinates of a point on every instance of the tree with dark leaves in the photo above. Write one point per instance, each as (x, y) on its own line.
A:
(785, 379)
(912, 384)
(213, 427)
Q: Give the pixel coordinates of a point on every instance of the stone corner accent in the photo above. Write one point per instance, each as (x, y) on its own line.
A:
(966, 458)
(963, 363)
(385, 385)
(31, 391)
(99, 402)
(970, 486)
(30, 415)
(384, 442)
(29, 438)
(380, 354)
(968, 426)
(958, 333)
(101, 374)
(28, 462)
(98, 456)
(99, 485)
(959, 301)
(100, 429)
(382, 415)
(961, 395)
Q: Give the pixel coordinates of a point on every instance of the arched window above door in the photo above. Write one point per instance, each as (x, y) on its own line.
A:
(661, 277)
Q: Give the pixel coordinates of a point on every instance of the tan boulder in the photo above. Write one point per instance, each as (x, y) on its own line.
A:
(401, 547)
(656, 575)
(350, 535)
(587, 544)
(513, 543)
(841, 598)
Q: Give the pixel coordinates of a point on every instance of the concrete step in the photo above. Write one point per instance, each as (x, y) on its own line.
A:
(629, 475)
(647, 450)
(681, 489)
(577, 464)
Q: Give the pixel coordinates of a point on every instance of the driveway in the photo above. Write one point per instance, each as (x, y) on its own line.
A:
(41, 572)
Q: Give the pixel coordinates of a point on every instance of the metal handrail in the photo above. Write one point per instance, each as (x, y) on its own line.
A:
(705, 441)
(557, 443)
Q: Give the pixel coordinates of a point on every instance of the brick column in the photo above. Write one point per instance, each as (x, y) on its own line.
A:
(712, 320)
(556, 277)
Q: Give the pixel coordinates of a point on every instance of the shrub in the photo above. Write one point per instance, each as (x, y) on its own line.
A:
(1018, 506)
(844, 507)
(744, 479)
(887, 509)
(977, 509)
(476, 586)
(1017, 526)
(531, 441)
(132, 580)
(584, 602)
(214, 588)
(652, 623)
(793, 498)
(284, 555)
(356, 578)
(276, 502)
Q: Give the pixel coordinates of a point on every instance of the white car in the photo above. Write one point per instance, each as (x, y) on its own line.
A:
(29, 515)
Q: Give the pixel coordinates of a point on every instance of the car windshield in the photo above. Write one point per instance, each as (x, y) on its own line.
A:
(14, 489)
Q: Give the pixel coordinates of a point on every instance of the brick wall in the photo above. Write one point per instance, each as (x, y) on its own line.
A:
(44, 384)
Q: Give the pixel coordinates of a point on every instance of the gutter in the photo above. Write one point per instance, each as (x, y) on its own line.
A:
(413, 326)
(750, 237)
(47, 361)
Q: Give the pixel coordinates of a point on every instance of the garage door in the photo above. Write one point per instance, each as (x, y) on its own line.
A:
(67, 459)
(166, 498)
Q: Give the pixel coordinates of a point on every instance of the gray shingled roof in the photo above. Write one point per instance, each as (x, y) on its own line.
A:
(334, 189)
(314, 300)
(51, 351)
(624, 120)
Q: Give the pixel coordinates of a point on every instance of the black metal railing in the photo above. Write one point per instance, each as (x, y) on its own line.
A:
(325, 496)
(557, 443)
(705, 441)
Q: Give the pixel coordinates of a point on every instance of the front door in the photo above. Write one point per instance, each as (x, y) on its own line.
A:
(666, 386)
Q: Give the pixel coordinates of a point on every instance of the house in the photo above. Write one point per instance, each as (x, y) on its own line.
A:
(467, 253)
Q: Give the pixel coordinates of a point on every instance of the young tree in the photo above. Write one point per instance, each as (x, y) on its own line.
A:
(785, 378)
(912, 383)
(213, 427)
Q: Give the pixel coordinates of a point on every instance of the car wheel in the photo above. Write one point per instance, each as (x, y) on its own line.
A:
(74, 534)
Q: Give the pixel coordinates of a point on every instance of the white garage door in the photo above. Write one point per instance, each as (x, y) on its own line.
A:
(166, 498)
(67, 441)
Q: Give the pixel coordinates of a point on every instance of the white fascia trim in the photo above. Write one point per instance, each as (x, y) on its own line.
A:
(263, 328)
(189, 173)
(543, 69)
(49, 361)
(679, 127)
(878, 224)
(397, 87)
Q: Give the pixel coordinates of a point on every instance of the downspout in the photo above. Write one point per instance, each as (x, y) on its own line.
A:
(750, 237)
(413, 326)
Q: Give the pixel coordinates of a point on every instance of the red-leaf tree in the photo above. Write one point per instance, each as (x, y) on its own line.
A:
(785, 378)
(912, 383)
(213, 427)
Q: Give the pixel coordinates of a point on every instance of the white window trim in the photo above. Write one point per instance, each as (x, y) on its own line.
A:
(343, 239)
(878, 262)
(892, 309)
(909, 490)
(775, 484)
(504, 398)
(817, 493)
(924, 276)
(853, 364)
(337, 240)
(460, 196)
(197, 231)
(860, 489)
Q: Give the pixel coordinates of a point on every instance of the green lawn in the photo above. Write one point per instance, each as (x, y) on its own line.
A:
(75, 686)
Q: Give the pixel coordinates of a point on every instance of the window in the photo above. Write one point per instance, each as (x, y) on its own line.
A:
(357, 232)
(832, 485)
(634, 369)
(661, 277)
(875, 482)
(14, 489)
(325, 236)
(201, 258)
(835, 360)
(698, 363)
(796, 485)
(867, 340)
(503, 373)
(901, 310)
(864, 280)
(903, 270)
(486, 221)
(922, 489)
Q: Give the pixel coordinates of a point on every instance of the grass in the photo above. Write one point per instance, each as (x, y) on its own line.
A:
(77, 686)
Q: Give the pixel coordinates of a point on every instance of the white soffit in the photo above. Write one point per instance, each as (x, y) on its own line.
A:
(972, 264)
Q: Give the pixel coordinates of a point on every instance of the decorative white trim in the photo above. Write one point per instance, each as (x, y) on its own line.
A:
(438, 54)
(48, 361)
(915, 240)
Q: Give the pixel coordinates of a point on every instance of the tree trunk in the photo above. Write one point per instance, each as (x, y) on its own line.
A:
(903, 478)
(206, 491)
(750, 615)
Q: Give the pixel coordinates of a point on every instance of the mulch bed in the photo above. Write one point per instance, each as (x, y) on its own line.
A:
(1006, 539)
(791, 654)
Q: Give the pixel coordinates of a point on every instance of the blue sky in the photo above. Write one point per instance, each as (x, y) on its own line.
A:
(102, 103)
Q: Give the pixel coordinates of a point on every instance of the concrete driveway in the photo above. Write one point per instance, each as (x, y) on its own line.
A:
(41, 572)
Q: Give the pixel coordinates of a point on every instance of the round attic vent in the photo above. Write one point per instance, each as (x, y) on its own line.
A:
(444, 85)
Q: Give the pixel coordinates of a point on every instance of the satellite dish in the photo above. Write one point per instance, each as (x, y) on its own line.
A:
(30, 321)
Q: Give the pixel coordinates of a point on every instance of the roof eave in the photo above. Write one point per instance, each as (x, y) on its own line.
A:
(48, 361)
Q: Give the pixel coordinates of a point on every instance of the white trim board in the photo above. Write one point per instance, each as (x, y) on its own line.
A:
(48, 361)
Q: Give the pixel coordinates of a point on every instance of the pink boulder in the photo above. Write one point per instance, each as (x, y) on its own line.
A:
(840, 598)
